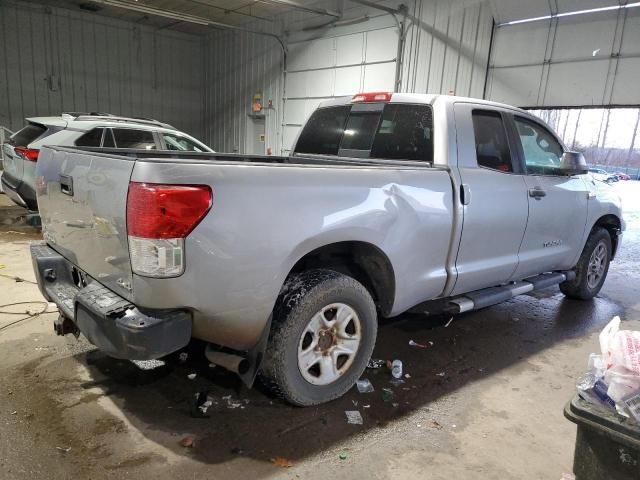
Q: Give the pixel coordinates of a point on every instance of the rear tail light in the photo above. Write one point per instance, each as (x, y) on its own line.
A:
(159, 217)
(30, 154)
(371, 97)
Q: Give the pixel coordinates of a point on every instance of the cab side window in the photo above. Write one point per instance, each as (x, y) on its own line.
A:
(542, 152)
(492, 146)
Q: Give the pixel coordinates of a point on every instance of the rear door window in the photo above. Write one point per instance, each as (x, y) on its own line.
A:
(492, 146)
(132, 138)
(323, 132)
(30, 133)
(93, 138)
(405, 133)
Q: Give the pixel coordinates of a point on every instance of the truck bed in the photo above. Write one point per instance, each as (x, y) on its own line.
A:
(267, 213)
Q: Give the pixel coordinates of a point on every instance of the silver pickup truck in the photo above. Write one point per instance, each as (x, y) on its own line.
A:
(283, 265)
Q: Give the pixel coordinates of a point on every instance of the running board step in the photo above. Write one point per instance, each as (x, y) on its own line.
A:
(491, 296)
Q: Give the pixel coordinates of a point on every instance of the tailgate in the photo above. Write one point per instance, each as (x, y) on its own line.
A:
(82, 200)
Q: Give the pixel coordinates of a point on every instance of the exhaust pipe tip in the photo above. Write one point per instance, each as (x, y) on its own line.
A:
(231, 362)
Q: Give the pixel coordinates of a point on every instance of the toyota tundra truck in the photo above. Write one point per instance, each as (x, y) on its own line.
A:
(284, 264)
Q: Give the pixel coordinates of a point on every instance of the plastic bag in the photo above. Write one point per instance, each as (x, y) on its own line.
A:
(621, 356)
(620, 348)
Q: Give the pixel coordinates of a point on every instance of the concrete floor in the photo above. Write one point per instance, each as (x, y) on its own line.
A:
(484, 402)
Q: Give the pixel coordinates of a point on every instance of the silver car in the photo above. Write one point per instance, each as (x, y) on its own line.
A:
(81, 130)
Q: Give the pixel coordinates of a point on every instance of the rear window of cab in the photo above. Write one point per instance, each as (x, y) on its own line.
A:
(394, 131)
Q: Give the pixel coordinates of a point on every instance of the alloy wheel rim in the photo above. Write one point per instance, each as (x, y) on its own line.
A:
(597, 265)
(329, 344)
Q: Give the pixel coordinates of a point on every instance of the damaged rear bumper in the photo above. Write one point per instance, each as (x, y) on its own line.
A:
(110, 322)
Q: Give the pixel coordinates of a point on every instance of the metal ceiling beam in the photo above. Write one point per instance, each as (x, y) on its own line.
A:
(184, 17)
(305, 8)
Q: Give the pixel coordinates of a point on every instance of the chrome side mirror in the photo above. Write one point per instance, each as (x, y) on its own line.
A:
(573, 163)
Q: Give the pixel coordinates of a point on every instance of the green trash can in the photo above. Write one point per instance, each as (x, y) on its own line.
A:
(607, 445)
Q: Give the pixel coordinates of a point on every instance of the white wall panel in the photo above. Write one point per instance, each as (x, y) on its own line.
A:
(581, 60)
(54, 60)
(625, 89)
(515, 85)
(576, 83)
(378, 77)
(511, 43)
(349, 49)
(584, 37)
(348, 80)
(382, 45)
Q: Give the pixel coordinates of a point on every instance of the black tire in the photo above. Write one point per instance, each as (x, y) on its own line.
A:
(579, 287)
(302, 297)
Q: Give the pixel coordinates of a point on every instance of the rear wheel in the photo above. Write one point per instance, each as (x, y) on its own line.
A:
(592, 267)
(323, 334)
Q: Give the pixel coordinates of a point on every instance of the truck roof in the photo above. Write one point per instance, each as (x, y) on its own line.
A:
(425, 98)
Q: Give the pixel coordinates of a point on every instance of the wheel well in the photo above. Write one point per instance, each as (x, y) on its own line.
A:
(360, 260)
(612, 224)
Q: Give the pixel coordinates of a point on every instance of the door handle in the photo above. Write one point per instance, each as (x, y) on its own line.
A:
(465, 194)
(537, 193)
(66, 184)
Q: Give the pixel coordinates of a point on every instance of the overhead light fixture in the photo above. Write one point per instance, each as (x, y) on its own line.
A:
(569, 14)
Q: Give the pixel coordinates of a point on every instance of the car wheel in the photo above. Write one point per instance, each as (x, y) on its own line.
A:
(592, 267)
(323, 333)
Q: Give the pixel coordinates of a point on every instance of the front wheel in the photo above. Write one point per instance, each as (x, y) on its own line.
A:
(324, 330)
(592, 267)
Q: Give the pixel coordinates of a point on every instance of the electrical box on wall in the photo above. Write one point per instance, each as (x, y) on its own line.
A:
(256, 104)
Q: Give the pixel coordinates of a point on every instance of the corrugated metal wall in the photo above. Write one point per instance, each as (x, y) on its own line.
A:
(239, 65)
(54, 60)
(591, 59)
(447, 50)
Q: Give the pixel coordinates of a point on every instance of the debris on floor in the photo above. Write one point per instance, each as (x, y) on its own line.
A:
(343, 456)
(396, 368)
(188, 442)
(231, 403)
(200, 407)
(387, 394)
(375, 364)
(191, 376)
(183, 357)
(148, 364)
(281, 462)
(435, 425)
(413, 343)
(64, 449)
(354, 417)
(448, 323)
(364, 386)
(441, 374)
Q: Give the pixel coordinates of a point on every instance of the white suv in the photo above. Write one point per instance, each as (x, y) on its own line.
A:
(82, 130)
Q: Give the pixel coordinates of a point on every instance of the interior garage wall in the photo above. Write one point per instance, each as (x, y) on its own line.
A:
(447, 48)
(584, 60)
(342, 61)
(237, 66)
(54, 60)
